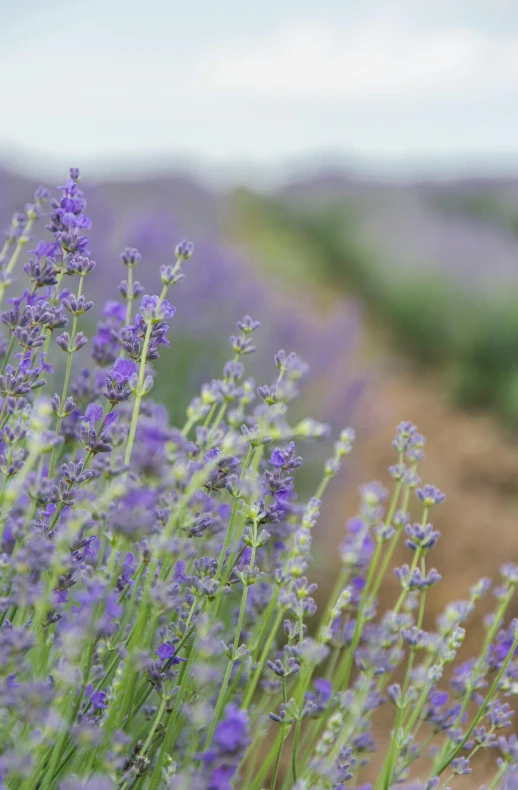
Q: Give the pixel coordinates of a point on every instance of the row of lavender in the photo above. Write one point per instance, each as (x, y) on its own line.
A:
(157, 626)
(436, 264)
(461, 229)
(150, 215)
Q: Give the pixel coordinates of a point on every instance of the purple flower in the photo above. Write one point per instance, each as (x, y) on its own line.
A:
(460, 766)
(98, 700)
(430, 495)
(167, 651)
(123, 369)
(424, 538)
(184, 250)
(94, 412)
(277, 458)
(232, 731)
(152, 310)
(221, 777)
(115, 310)
(324, 689)
(110, 419)
(131, 257)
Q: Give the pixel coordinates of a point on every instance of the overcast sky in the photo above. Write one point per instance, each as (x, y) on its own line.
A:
(392, 82)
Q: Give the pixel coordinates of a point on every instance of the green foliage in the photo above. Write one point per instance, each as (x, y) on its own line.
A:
(481, 206)
(472, 339)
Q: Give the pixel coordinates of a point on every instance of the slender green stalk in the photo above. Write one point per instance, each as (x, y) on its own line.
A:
(295, 749)
(393, 752)
(387, 559)
(60, 744)
(371, 586)
(138, 396)
(264, 624)
(20, 244)
(499, 774)
(267, 762)
(155, 724)
(167, 743)
(229, 535)
(209, 416)
(8, 354)
(129, 305)
(140, 385)
(226, 678)
(277, 765)
(443, 764)
(490, 635)
(249, 692)
(344, 670)
(66, 381)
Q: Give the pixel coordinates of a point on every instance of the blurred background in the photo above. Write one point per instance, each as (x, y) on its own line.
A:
(349, 175)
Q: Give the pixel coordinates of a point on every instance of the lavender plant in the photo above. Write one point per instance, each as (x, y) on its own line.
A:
(157, 628)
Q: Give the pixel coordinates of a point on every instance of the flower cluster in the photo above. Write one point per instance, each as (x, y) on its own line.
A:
(158, 627)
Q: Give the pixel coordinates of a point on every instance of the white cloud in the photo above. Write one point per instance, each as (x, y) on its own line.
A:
(376, 56)
(392, 83)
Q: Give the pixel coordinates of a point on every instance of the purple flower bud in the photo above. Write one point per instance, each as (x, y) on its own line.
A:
(165, 651)
(98, 700)
(131, 257)
(248, 325)
(430, 495)
(184, 250)
(277, 458)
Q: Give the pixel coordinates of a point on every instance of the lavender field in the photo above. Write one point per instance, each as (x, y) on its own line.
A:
(220, 287)
(432, 263)
(157, 622)
(259, 395)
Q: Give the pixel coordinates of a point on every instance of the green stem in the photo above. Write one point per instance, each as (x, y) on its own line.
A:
(392, 547)
(140, 385)
(138, 397)
(155, 724)
(249, 693)
(167, 743)
(371, 587)
(219, 417)
(482, 710)
(264, 624)
(130, 295)
(233, 517)
(277, 765)
(295, 750)
(490, 635)
(210, 415)
(67, 380)
(499, 774)
(258, 783)
(223, 689)
(345, 668)
(8, 354)
(21, 242)
(60, 744)
(393, 752)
